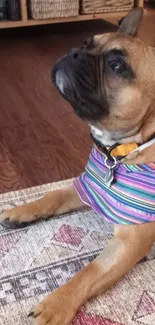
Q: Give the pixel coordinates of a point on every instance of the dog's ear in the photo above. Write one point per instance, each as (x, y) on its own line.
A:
(129, 24)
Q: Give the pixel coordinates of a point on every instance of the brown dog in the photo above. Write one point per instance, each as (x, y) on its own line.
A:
(110, 82)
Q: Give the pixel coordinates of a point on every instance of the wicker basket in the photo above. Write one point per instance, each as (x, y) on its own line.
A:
(99, 6)
(3, 9)
(42, 9)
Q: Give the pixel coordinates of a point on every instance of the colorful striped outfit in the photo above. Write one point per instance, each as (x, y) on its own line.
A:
(131, 197)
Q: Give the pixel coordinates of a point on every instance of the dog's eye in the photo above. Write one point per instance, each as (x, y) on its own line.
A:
(118, 66)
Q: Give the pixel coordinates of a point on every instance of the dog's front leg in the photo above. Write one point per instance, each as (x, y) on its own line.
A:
(128, 246)
(54, 203)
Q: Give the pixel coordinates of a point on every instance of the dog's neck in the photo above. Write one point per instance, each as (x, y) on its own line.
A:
(108, 138)
(129, 149)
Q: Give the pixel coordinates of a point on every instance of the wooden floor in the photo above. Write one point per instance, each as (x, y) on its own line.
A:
(41, 139)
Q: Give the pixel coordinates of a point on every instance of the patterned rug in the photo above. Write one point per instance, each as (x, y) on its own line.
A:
(37, 259)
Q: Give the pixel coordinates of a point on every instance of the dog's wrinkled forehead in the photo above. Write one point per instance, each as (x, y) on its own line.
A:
(101, 44)
(131, 48)
(124, 38)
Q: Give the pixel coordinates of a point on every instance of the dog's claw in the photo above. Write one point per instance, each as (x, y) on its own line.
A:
(30, 314)
(7, 224)
(19, 217)
(4, 224)
(12, 224)
(34, 313)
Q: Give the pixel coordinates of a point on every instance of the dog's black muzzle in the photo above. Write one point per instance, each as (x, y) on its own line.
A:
(76, 78)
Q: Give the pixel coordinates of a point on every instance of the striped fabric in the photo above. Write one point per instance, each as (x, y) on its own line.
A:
(131, 197)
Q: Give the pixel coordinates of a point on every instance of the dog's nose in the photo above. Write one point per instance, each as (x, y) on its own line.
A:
(75, 53)
(78, 54)
(88, 43)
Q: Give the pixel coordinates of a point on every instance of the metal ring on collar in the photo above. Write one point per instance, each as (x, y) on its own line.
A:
(110, 164)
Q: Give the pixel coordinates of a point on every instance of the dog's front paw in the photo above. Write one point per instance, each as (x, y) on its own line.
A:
(20, 215)
(57, 309)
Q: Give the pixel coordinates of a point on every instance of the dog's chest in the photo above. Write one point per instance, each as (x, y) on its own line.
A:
(130, 199)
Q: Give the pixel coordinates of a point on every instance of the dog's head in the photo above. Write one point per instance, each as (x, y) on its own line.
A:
(109, 81)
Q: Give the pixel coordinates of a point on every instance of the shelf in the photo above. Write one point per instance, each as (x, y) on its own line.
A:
(111, 17)
(30, 22)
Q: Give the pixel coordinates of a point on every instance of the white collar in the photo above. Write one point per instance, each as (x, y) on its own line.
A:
(144, 146)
